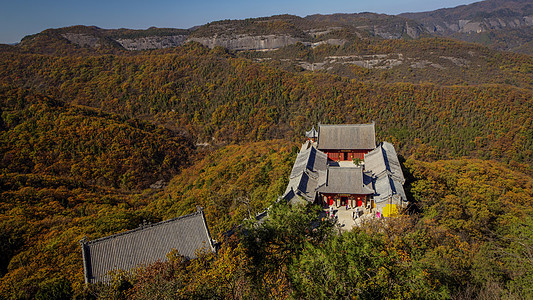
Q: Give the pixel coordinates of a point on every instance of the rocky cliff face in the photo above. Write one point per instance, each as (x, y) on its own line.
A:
(501, 24)
(477, 17)
(84, 40)
(380, 25)
(152, 42)
(399, 32)
(231, 42)
(247, 42)
(141, 43)
(474, 26)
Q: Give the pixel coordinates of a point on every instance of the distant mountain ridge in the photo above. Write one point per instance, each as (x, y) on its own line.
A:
(95, 37)
(378, 25)
(477, 17)
(501, 25)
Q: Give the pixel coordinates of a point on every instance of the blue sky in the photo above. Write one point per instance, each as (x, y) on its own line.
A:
(19, 18)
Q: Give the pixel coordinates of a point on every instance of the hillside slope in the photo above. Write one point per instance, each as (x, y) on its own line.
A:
(219, 98)
(500, 24)
(85, 133)
(42, 217)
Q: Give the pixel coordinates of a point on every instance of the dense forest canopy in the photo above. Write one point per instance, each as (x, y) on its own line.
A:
(86, 132)
(212, 94)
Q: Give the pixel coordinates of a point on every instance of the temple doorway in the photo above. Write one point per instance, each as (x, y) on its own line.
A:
(344, 201)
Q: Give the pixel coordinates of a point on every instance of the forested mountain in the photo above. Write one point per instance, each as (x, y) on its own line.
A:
(87, 128)
(499, 24)
(220, 98)
(428, 60)
(68, 171)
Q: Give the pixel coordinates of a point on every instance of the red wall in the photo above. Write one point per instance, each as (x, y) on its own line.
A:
(359, 200)
(337, 155)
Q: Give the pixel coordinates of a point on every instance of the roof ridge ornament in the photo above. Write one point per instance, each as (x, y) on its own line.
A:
(312, 134)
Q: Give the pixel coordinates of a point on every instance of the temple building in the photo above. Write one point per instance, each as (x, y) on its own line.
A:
(346, 142)
(346, 186)
(145, 245)
(340, 165)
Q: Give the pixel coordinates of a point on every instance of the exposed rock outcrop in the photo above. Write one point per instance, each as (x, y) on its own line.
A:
(83, 40)
(247, 42)
(473, 26)
(477, 17)
(500, 24)
(152, 42)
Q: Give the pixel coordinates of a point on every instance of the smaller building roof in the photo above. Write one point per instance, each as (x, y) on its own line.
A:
(302, 185)
(388, 187)
(293, 197)
(308, 171)
(346, 181)
(310, 159)
(347, 137)
(383, 160)
(145, 245)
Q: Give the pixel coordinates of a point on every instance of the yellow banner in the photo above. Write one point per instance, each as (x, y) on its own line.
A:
(390, 210)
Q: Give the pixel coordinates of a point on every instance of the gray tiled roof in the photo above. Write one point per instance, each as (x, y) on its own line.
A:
(304, 186)
(296, 197)
(349, 136)
(289, 194)
(308, 172)
(309, 158)
(145, 245)
(386, 186)
(346, 181)
(383, 160)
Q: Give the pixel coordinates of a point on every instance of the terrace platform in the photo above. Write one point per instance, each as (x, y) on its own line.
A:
(345, 217)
